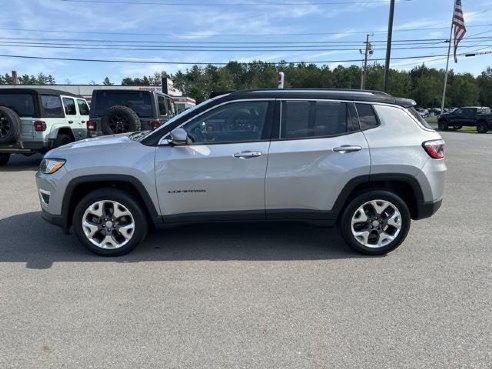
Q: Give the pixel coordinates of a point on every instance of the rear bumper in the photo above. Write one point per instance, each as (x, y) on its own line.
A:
(427, 209)
(26, 147)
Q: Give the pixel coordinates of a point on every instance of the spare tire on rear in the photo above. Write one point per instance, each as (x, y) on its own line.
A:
(119, 119)
(10, 126)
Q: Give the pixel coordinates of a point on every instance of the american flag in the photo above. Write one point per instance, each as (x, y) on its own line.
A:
(459, 26)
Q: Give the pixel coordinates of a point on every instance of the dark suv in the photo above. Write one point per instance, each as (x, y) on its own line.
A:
(119, 111)
(474, 116)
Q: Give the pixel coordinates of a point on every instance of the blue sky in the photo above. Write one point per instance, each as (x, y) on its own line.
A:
(326, 31)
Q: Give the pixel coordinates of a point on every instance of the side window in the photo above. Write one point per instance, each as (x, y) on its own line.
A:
(52, 106)
(235, 122)
(83, 107)
(69, 106)
(367, 116)
(295, 119)
(311, 119)
(330, 118)
(163, 110)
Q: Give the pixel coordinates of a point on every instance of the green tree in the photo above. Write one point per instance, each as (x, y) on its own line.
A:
(484, 82)
(463, 90)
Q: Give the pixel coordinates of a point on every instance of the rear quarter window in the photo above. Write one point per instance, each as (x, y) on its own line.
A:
(419, 118)
(22, 104)
(397, 119)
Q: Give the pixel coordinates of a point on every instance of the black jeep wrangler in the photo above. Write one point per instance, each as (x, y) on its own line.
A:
(119, 111)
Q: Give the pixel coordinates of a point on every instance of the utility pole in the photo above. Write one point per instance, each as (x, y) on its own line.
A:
(388, 45)
(368, 51)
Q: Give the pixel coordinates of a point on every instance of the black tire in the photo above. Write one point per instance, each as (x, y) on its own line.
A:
(482, 127)
(370, 226)
(105, 200)
(442, 125)
(4, 159)
(120, 119)
(10, 126)
(62, 139)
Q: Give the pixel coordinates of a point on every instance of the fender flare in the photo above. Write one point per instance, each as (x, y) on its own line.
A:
(67, 206)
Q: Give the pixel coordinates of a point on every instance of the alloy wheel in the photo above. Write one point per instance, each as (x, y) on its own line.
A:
(108, 224)
(376, 223)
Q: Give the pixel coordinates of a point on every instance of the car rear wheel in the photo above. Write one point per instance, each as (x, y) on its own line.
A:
(62, 139)
(482, 127)
(375, 222)
(109, 222)
(442, 125)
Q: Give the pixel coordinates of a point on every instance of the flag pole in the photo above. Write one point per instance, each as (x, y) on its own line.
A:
(447, 62)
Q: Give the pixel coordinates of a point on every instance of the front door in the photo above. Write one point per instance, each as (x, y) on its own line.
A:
(220, 174)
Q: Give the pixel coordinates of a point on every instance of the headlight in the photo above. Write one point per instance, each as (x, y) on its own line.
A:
(50, 166)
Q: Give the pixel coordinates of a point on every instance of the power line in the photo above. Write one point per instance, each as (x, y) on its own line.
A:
(262, 4)
(209, 63)
(104, 42)
(192, 34)
(211, 49)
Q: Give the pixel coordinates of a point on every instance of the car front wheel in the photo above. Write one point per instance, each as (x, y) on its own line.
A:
(375, 222)
(109, 222)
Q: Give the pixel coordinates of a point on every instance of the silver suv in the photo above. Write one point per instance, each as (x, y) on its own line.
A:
(361, 159)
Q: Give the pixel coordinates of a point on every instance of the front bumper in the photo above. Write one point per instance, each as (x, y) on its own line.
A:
(53, 219)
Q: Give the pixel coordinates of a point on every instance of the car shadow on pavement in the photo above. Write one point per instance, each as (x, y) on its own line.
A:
(21, 163)
(26, 238)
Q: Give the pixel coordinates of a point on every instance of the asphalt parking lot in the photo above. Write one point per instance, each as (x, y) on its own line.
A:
(249, 295)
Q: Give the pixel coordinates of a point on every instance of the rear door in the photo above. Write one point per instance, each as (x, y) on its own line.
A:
(316, 150)
(73, 119)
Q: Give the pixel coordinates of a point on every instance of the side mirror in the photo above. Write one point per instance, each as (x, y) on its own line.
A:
(178, 136)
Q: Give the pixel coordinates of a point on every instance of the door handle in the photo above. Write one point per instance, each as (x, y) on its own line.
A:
(70, 121)
(82, 121)
(347, 148)
(248, 154)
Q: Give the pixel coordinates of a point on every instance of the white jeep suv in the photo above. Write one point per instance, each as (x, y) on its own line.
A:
(39, 119)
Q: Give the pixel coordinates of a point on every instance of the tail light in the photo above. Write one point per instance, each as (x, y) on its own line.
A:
(155, 124)
(434, 148)
(39, 125)
(91, 125)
